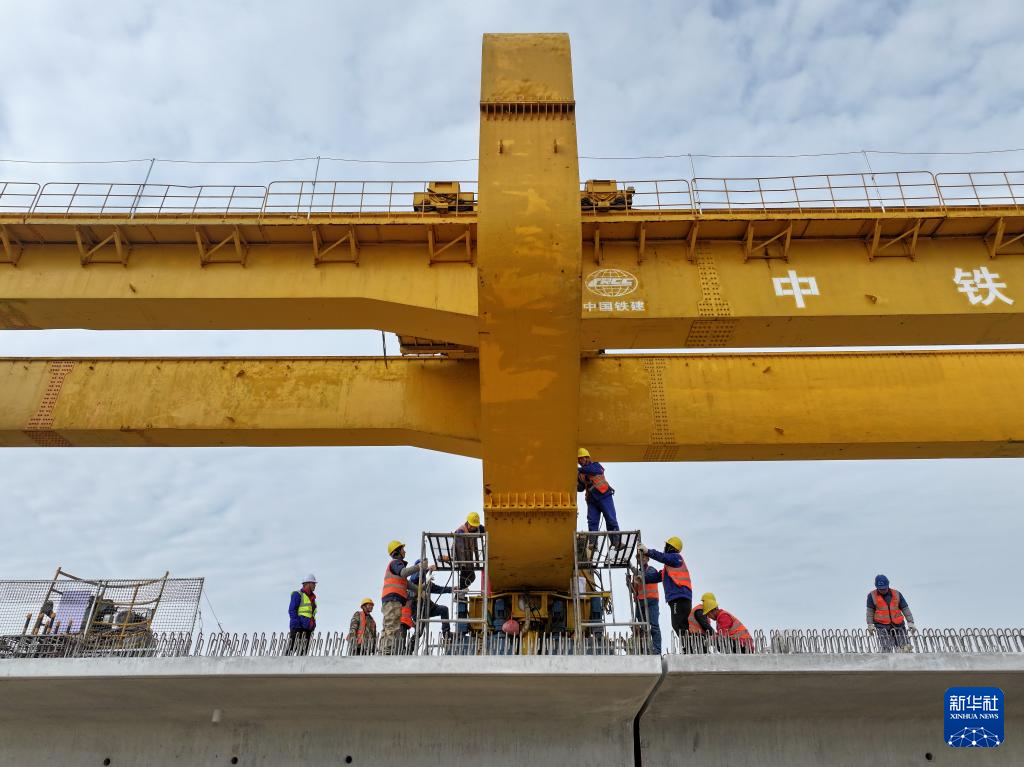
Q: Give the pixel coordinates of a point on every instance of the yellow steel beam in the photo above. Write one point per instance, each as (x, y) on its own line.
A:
(701, 279)
(732, 407)
(237, 401)
(529, 245)
(817, 279)
(286, 276)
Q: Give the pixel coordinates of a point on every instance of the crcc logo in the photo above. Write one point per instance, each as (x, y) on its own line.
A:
(611, 283)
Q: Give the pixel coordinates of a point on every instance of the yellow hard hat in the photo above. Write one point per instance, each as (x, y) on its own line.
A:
(583, 453)
(708, 602)
(394, 545)
(366, 601)
(473, 519)
(675, 542)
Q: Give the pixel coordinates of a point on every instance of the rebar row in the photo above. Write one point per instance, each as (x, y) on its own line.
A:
(968, 641)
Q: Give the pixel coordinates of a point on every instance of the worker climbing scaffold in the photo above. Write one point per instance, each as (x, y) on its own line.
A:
(590, 481)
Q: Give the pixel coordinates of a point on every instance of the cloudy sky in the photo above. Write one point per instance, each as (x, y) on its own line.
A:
(783, 545)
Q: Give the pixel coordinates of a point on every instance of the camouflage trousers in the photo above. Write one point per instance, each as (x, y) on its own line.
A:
(391, 637)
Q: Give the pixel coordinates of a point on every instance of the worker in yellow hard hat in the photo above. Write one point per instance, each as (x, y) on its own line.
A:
(598, 493)
(394, 596)
(728, 624)
(362, 630)
(467, 557)
(675, 581)
(699, 626)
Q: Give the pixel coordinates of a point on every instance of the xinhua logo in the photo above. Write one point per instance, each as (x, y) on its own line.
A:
(611, 283)
(974, 717)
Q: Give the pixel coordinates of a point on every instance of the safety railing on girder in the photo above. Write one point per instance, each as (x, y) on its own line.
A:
(963, 641)
(895, 190)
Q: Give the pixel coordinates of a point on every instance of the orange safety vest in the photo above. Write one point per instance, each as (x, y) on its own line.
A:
(362, 627)
(737, 630)
(407, 615)
(679, 575)
(598, 482)
(645, 590)
(395, 585)
(693, 625)
(888, 613)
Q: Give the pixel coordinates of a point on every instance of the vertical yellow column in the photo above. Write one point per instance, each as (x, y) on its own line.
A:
(529, 255)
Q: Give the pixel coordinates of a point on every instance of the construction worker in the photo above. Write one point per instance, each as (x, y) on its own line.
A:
(434, 610)
(645, 587)
(699, 623)
(302, 616)
(395, 596)
(675, 580)
(889, 615)
(728, 624)
(362, 630)
(467, 550)
(598, 493)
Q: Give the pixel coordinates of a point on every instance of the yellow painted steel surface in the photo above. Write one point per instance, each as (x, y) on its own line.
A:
(704, 292)
(659, 408)
(393, 286)
(528, 234)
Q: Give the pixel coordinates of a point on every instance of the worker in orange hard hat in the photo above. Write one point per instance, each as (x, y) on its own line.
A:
(395, 595)
(598, 493)
(362, 630)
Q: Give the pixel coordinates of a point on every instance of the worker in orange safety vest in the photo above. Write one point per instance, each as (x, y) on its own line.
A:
(362, 630)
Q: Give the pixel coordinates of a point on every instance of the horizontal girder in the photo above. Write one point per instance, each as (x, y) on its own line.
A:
(693, 279)
(632, 408)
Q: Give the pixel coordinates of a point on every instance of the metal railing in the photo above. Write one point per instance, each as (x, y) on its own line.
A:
(895, 190)
(965, 641)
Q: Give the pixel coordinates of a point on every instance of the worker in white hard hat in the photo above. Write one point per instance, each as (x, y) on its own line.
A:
(302, 616)
(395, 595)
(362, 630)
(598, 493)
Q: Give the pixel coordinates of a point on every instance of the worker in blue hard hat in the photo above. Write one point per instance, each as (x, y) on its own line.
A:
(302, 616)
(888, 614)
(394, 597)
(590, 481)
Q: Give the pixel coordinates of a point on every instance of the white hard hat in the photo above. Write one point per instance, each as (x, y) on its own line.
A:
(309, 578)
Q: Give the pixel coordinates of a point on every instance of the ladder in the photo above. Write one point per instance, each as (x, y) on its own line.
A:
(461, 561)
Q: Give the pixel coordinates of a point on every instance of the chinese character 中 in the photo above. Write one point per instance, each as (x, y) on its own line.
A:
(796, 286)
(977, 281)
(589, 306)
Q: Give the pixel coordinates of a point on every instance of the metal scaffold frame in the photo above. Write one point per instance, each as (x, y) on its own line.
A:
(596, 555)
(464, 557)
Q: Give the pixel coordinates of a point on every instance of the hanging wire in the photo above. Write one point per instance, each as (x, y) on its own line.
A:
(212, 611)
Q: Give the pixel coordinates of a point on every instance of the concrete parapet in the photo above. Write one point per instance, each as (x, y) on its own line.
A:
(850, 710)
(313, 711)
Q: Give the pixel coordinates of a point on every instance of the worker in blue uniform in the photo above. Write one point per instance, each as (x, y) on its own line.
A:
(434, 609)
(590, 480)
(675, 580)
(645, 588)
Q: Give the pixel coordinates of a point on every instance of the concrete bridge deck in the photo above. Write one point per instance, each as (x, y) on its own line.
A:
(695, 710)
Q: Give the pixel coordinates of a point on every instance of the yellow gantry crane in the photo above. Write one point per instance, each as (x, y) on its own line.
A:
(505, 297)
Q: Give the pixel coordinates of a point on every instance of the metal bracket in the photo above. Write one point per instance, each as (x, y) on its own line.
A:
(436, 248)
(320, 252)
(206, 249)
(88, 247)
(12, 248)
(598, 252)
(691, 242)
(641, 243)
(996, 240)
(753, 249)
(908, 237)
